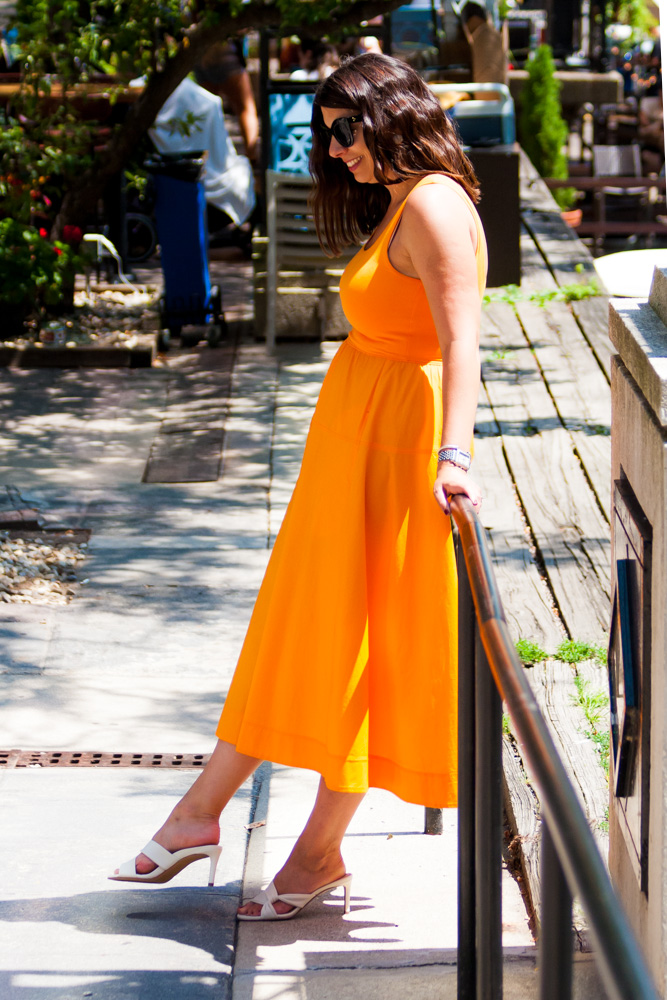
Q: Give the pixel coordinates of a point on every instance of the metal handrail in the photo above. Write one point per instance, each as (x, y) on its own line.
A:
(572, 864)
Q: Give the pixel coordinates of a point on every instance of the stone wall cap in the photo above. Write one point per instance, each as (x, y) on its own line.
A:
(640, 337)
(657, 298)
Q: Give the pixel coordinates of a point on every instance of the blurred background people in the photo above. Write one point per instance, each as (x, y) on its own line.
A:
(223, 72)
(190, 120)
(488, 53)
(317, 60)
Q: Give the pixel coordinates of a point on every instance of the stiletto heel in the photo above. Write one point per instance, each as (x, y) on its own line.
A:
(215, 857)
(298, 900)
(169, 863)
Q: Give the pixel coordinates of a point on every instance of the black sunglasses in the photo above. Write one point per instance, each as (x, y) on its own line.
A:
(341, 130)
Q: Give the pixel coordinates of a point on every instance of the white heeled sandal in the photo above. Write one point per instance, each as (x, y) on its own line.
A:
(298, 900)
(169, 863)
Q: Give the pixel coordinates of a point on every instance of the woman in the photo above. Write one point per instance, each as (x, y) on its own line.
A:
(349, 664)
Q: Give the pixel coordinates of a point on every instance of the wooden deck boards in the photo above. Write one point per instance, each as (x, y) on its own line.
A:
(543, 459)
(570, 532)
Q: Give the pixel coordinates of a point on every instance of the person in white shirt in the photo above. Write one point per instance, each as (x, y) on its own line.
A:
(227, 176)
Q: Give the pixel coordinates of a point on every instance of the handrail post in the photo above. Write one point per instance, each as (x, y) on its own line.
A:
(467, 629)
(555, 925)
(623, 968)
(489, 811)
(433, 824)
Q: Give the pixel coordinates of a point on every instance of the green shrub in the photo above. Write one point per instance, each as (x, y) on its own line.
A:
(542, 128)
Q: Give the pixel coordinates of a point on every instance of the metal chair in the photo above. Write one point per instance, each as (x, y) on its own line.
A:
(618, 161)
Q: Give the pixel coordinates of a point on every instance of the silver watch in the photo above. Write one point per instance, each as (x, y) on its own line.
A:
(461, 459)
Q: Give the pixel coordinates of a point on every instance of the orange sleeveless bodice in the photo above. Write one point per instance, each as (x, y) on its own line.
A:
(388, 311)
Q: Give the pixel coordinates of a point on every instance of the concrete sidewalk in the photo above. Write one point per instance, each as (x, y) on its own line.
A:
(140, 662)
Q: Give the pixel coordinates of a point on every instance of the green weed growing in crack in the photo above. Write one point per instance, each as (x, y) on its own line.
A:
(574, 292)
(595, 706)
(575, 650)
(529, 652)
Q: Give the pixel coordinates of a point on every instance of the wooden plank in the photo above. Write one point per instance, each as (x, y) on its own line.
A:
(535, 275)
(574, 378)
(522, 810)
(568, 726)
(593, 317)
(527, 601)
(603, 180)
(570, 532)
(577, 386)
(568, 259)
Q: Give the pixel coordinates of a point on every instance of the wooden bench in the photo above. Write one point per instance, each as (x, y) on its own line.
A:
(295, 263)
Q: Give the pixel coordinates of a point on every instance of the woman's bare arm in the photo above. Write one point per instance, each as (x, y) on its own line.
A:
(436, 242)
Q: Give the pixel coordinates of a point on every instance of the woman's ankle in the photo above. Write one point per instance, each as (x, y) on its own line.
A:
(188, 828)
(316, 862)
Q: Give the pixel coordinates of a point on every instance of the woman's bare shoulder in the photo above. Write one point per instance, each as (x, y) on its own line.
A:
(439, 208)
(438, 190)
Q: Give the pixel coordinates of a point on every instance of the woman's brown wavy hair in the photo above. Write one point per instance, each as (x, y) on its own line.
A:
(407, 133)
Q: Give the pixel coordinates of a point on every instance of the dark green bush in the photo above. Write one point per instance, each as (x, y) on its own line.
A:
(542, 128)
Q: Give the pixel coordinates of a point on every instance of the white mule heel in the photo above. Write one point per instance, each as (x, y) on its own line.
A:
(298, 900)
(169, 863)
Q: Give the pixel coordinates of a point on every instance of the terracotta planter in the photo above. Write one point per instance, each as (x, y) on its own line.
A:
(572, 218)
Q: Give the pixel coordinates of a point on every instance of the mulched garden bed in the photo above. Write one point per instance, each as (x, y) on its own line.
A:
(107, 329)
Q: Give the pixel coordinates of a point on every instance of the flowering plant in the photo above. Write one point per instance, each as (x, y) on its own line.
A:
(34, 271)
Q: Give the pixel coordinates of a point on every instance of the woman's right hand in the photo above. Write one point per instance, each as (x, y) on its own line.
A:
(451, 480)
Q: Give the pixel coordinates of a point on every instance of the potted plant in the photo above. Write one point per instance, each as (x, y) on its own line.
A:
(542, 129)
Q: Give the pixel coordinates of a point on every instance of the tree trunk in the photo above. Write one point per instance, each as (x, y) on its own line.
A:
(81, 201)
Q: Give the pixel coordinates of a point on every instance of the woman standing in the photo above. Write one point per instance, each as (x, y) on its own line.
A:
(349, 664)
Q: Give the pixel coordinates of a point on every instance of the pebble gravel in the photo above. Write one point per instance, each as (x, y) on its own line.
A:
(39, 571)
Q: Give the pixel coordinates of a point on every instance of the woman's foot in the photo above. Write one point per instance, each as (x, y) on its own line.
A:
(181, 831)
(300, 877)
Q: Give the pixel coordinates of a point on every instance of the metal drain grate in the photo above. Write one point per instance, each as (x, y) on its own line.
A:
(69, 758)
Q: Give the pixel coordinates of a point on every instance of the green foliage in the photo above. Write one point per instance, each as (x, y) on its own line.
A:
(33, 270)
(71, 40)
(632, 12)
(507, 729)
(38, 158)
(542, 128)
(504, 8)
(65, 44)
(529, 652)
(574, 651)
(595, 706)
(574, 292)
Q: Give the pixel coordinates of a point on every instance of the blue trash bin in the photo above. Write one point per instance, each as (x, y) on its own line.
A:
(180, 213)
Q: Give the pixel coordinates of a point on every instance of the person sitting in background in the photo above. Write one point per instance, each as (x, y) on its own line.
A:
(487, 50)
(223, 72)
(317, 60)
(191, 119)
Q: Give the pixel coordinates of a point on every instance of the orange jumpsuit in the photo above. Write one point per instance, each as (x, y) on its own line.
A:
(349, 666)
